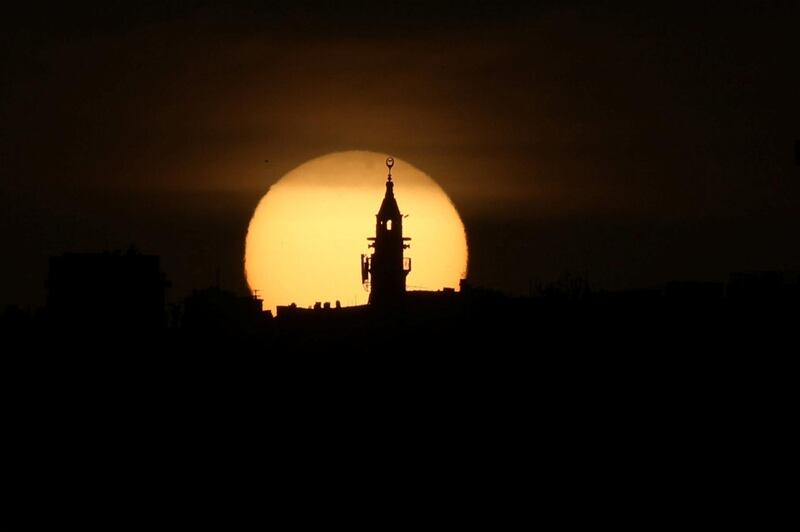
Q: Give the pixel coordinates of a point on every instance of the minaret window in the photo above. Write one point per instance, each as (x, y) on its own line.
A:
(389, 225)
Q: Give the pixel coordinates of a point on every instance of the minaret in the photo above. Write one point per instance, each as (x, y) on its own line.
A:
(385, 268)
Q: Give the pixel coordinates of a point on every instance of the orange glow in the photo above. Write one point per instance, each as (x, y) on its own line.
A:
(308, 232)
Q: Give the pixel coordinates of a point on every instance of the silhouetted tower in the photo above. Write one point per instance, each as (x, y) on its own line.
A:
(797, 152)
(386, 269)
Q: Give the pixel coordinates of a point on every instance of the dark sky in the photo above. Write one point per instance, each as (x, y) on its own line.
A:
(634, 144)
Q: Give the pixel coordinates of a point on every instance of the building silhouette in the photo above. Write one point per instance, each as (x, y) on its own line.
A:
(386, 269)
(762, 285)
(213, 311)
(106, 291)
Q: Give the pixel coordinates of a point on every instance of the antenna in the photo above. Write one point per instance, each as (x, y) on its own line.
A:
(389, 164)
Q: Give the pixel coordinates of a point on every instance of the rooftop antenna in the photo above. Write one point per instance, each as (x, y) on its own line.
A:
(389, 164)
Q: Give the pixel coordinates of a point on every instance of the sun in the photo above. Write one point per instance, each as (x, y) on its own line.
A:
(307, 234)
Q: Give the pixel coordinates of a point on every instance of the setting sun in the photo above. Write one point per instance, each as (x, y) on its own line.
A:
(308, 232)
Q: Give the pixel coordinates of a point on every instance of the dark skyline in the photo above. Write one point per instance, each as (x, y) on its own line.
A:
(636, 145)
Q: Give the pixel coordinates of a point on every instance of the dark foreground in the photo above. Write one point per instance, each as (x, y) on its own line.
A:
(586, 411)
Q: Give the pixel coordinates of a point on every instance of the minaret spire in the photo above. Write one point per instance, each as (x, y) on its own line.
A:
(386, 269)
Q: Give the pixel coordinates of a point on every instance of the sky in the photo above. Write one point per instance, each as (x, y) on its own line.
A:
(630, 144)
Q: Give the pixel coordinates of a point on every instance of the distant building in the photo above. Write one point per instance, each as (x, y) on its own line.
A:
(214, 310)
(757, 285)
(386, 269)
(106, 291)
(694, 291)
